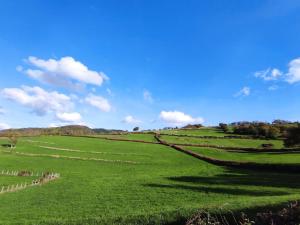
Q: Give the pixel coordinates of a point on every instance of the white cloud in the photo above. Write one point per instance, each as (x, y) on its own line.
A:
(245, 91)
(68, 117)
(293, 75)
(4, 126)
(177, 118)
(269, 74)
(148, 96)
(273, 88)
(131, 120)
(39, 100)
(109, 91)
(98, 102)
(63, 72)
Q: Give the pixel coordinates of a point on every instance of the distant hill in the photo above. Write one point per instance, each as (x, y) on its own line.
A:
(75, 130)
(192, 126)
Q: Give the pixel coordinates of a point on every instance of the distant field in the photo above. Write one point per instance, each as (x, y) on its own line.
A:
(117, 182)
(131, 136)
(249, 143)
(197, 132)
(250, 157)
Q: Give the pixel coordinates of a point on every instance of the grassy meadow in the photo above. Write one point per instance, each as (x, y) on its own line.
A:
(116, 182)
(242, 143)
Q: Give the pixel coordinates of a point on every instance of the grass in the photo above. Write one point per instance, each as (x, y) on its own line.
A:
(205, 131)
(131, 136)
(272, 157)
(163, 187)
(249, 143)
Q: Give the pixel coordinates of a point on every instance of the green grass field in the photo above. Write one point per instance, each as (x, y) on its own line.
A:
(249, 143)
(206, 131)
(116, 182)
(271, 157)
(141, 137)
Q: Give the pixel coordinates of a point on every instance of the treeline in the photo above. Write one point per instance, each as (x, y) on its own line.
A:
(289, 131)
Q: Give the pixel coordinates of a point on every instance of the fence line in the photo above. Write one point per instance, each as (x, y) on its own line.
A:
(44, 178)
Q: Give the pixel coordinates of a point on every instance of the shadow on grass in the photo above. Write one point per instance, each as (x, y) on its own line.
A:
(220, 190)
(233, 182)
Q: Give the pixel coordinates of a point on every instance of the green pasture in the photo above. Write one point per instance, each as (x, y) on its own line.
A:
(205, 131)
(131, 136)
(163, 186)
(270, 157)
(246, 143)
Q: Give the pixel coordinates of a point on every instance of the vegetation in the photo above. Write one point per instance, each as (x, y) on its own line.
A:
(293, 137)
(224, 127)
(13, 139)
(270, 158)
(227, 142)
(123, 182)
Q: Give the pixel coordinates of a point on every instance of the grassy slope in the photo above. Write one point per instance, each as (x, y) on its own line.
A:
(243, 156)
(132, 136)
(251, 143)
(165, 183)
(197, 132)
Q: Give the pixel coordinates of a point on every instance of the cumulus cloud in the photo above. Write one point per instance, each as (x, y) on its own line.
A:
(39, 100)
(269, 74)
(177, 118)
(4, 126)
(131, 120)
(98, 102)
(245, 91)
(66, 72)
(68, 117)
(148, 96)
(293, 75)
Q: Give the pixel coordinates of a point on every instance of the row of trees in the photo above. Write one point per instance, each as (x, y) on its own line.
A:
(258, 130)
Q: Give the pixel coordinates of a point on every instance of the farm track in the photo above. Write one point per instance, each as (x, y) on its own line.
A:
(294, 168)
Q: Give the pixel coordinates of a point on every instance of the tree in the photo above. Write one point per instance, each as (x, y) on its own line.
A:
(136, 129)
(273, 132)
(292, 137)
(224, 127)
(13, 139)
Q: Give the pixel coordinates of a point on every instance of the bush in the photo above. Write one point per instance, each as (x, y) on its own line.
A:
(292, 137)
(224, 127)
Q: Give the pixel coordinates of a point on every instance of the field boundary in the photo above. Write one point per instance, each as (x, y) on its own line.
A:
(91, 152)
(215, 137)
(237, 164)
(43, 179)
(114, 139)
(72, 157)
(245, 149)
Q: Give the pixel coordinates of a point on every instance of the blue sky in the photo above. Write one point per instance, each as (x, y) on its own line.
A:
(120, 64)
